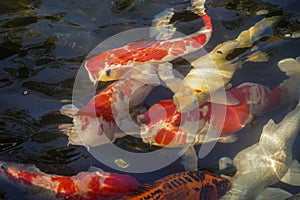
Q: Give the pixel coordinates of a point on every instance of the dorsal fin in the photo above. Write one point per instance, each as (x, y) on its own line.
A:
(94, 169)
(268, 130)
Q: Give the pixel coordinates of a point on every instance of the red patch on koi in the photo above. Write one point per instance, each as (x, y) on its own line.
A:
(65, 185)
(94, 183)
(26, 177)
(20, 176)
(165, 136)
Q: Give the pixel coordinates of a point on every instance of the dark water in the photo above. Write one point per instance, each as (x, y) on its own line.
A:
(43, 43)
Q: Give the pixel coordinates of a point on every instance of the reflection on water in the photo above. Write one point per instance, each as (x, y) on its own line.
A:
(43, 43)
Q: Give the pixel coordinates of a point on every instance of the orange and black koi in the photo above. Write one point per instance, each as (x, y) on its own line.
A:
(184, 185)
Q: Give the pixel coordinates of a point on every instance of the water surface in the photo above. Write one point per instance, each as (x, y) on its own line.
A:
(43, 43)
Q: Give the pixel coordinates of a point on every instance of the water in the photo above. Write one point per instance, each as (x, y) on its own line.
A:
(43, 43)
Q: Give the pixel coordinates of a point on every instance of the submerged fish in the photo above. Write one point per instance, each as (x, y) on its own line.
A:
(184, 185)
(165, 126)
(113, 64)
(270, 160)
(106, 113)
(213, 71)
(94, 184)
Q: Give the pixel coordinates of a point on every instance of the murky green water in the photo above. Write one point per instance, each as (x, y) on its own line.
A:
(43, 43)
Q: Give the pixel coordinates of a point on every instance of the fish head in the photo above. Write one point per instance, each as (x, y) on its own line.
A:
(221, 52)
(93, 124)
(88, 131)
(95, 66)
(160, 123)
(222, 185)
(164, 126)
(102, 68)
(110, 65)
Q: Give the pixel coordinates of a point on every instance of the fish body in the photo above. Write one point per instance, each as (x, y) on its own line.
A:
(165, 126)
(270, 160)
(266, 162)
(104, 113)
(213, 71)
(184, 185)
(114, 63)
(92, 185)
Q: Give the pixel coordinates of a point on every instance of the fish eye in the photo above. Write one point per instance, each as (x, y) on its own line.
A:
(223, 185)
(108, 71)
(3, 167)
(194, 100)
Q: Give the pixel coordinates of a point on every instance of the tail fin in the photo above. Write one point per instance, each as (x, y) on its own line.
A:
(162, 29)
(198, 6)
(291, 67)
(248, 37)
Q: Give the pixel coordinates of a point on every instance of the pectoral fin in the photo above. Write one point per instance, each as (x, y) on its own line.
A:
(189, 159)
(274, 194)
(94, 169)
(69, 110)
(258, 56)
(292, 176)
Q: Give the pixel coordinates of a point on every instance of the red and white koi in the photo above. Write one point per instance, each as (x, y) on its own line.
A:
(104, 117)
(165, 126)
(92, 185)
(114, 63)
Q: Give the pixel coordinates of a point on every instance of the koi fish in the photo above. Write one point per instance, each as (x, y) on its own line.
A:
(94, 184)
(213, 71)
(106, 113)
(165, 126)
(183, 185)
(113, 64)
(270, 160)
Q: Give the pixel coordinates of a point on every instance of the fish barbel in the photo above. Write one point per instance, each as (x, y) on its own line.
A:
(113, 64)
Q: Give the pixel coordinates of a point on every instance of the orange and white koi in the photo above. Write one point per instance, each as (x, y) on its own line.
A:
(184, 185)
(106, 113)
(165, 126)
(213, 71)
(92, 185)
(114, 63)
